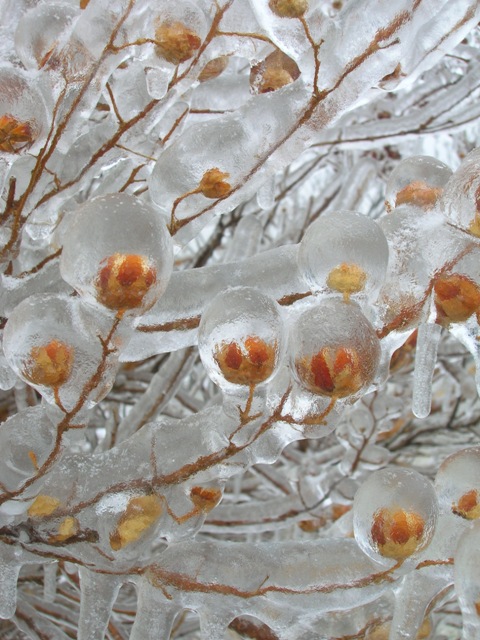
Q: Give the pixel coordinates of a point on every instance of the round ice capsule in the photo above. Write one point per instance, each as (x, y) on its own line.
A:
(179, 32)
(417, 181)
(22, 113)
(241, 338)
(334, 349)
(117, 253)
(40, 30)
(394, 514)
(461, 196)
(467, 581)
(458, 484)
(344, 252)
(47, 346)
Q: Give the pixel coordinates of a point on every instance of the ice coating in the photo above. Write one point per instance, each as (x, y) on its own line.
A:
(466, 580)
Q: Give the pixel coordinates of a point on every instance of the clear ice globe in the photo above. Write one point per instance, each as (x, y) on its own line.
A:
(394, 514)
(418, 181)
(461, 195)
(117, 253)
(457, 484)
(344, 252)
(241, 338)
(334, 349)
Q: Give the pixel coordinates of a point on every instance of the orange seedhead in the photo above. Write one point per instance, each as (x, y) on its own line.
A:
(418, 194)
(205, 498)
(397, 533)
(468, 506)
(456, 298)
(288, 8)
(249, 364)
(50, 364)
(123, 281)
(332, 372)
(14, 135)
(213, 184)
(175, 42)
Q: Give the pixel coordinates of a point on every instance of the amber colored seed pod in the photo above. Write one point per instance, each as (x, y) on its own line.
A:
(332, 372)
(213, 69)
(123, 281)
(418, 194)
(50, 364)
(205, 498)
(251, 364)
(274, 79)
(457, 297)
(213, 184)
(175, 42)
(468, 506)
(43, 506)
(347, 278)
(397, 533)
(14, 135)
(288, 8)
(141, 513)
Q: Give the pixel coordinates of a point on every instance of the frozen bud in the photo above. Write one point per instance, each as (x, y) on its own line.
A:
(457, 297)
(417, 181)
(335, 351)
(214, 184)
(275, 72)
(241, 337)
(458, 484)
(394, 514)
(205, 498)
(43, 506)
(67, 528)
(288, 8)
(141, 513)
(14, 135)
(124, 280)
(248, 363)
(51, 364)
(213, 69)
(175, 42)
(397, 533)
(346, 252)
(117, 253)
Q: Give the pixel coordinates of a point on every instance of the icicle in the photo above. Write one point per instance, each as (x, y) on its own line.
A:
(425, 359)
(9, 570)
(99, 592)
(266, 194)
(155, 616)
(50, 581)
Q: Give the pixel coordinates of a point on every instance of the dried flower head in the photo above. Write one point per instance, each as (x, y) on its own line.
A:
(468, 506)
(397, 533)
(457, 297)
(347, 278)
(288, 8)
(175, 42)
(14, 135)
(205, 498)
(247, 364)
(141, 513)
(419, 194)
(124, 280)
(213, 69)
(213, 184)
(50, 364)
(332, 372)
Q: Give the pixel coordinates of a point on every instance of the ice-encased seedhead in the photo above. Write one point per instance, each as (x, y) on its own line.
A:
(461, 197)
(334, 349)
(344, 252)
(467, 581)
(180, 29)
(241, 338)
(40, 30)
(394, 514)
(117, 253)
(48, 343)
(23, 119)
(416, 181)
(458, 484)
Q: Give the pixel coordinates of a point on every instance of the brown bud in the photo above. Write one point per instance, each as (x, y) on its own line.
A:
(288, 8)
(213, 69)
(205, 498)
(213, 184)
(468, 506)
(50, 364)
(397, 533)
(14, 135)
(457, 297)
(175, 42)
(141, 513)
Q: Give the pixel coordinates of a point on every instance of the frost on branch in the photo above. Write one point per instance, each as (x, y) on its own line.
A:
(240, 306)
